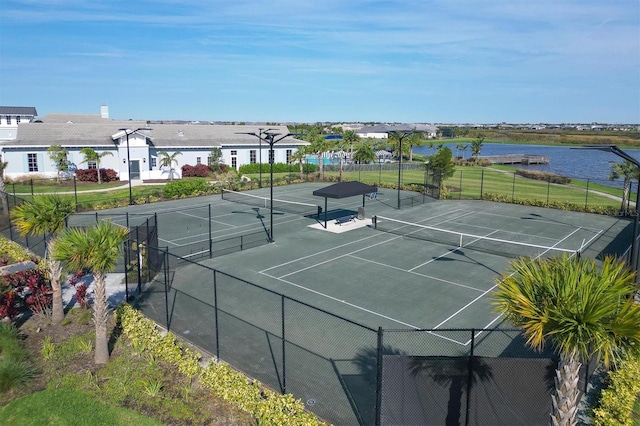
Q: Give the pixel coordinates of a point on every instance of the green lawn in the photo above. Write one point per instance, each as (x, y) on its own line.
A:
(476, 182)
(68, 407)
(48, 185)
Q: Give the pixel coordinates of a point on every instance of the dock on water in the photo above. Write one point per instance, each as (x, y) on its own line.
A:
(516, 159)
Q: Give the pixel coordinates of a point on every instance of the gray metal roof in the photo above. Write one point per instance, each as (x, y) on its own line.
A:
(161, 135)
(77, 118)
(13, 110)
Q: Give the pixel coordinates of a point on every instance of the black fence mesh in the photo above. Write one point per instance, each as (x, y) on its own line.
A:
(345, 372)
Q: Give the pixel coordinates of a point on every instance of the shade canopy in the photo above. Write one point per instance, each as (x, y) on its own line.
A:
(345, 189)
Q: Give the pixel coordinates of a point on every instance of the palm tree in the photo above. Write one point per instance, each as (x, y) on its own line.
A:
(97, 249)
(351, 138)
(45, 215)
(414, 139)
(476, 146)
(168, 160)
(364, 154)
(3, 189)
(299, 156)
(319, 145)
(628, 171)
(581, 310)
(91, 155)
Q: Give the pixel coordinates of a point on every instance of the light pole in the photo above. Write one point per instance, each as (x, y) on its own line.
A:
(270, 138)
(259, 136)
(400, 135)
(129, 132)
(634, 242)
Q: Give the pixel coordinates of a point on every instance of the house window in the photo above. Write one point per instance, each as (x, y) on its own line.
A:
(32, 161)
(8, 119)
(18, 120)
(209, 161)
(252, 156)
(234, 152)
(154, 161)
(92, 165)
(289, 153)
(234, 162)
(198, 160)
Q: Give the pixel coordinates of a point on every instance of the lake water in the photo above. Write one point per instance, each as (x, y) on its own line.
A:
(575, 163)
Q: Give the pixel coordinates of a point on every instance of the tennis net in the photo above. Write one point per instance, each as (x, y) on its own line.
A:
(264, 202)
(501, 247)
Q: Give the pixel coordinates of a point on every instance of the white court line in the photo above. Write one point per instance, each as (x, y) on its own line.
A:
(493, 287)
(346, 244)
(263, 272)
(237, 231)
(344, 302)
(448, 252)
(588, 243)
(414, 273)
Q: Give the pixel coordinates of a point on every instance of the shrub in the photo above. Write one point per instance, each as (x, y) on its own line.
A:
(560, 205)
(545, 176)
(14, 250)
(222, 380)
(24, 289)
(186, 188)
(199, 170)
(277, 168)
(91, 175)
(616, 401)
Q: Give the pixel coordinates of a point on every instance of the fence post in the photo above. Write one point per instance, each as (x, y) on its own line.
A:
(513, 188)
(75, 191)
(210, 241)
(139, 257)
(284, 359)
(379, 377)
(215, 310)
(167, 274)
(586, 197)
(548, 188)
(482, 184)
(126, 267)
(31, 181)
(469, 378)
(460, 185)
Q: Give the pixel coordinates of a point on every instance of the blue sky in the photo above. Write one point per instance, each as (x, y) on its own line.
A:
(466, 61)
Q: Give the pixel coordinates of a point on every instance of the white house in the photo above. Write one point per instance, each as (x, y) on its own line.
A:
(10, 117)
(137, 141)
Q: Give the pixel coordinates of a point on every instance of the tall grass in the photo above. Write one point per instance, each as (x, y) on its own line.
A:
(15, 369)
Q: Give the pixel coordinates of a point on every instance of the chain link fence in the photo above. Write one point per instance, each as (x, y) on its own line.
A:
(346, 372)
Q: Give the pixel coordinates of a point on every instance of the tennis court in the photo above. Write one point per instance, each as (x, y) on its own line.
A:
(432, 266)
(396, 281)
(409, 272)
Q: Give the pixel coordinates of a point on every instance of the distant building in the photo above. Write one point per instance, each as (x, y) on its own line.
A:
(27, 153)
(381, 131)
(10, 117)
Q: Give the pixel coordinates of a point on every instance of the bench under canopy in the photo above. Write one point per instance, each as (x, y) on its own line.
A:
(344, 190)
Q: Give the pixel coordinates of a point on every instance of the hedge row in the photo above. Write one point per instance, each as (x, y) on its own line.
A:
(269, 407)
(559, 205)
(277, 168)
(91, 175)
(545, 176)
(616, 401)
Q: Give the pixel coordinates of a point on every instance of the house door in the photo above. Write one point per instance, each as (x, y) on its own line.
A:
(134, 170)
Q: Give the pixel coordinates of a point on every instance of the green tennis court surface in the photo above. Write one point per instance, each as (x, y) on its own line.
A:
(434, 266)
(380, 278)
